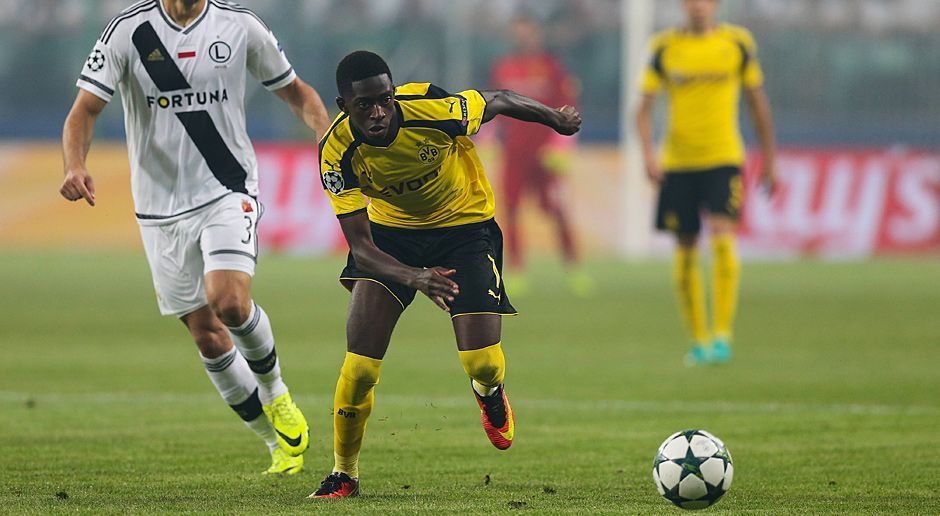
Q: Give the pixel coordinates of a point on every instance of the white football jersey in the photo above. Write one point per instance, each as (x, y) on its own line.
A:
(183, 90)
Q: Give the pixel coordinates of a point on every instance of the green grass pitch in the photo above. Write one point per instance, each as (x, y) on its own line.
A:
(830, 406)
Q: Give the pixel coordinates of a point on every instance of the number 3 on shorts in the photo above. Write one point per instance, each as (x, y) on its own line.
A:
(251, 223)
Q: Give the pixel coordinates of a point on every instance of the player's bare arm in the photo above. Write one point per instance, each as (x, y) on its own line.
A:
(763, 123)
(644, 126)
(433, 282)
(565, 120)
(307, 105)
(76, 140)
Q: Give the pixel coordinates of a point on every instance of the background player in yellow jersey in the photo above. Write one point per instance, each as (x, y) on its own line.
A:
(703, 67)
(429, 227)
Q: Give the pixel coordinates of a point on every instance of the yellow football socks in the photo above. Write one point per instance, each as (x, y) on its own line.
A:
(726, 273)
(486, 366)
(352, 405)
(688, 281)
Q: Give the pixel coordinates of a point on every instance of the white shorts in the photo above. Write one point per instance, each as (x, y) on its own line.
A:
(220, 236)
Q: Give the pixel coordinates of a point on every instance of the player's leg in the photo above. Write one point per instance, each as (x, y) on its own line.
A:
(176, 264)
(373, 313)
(229, 245)
(678, 213)
(724, 198)
(690, 290)
(476, 253)
(229, 372)
(481, 354)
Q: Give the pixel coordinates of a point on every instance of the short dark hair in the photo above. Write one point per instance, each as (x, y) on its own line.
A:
(357, 66)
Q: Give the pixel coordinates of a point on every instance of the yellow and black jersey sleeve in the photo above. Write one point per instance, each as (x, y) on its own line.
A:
(424, 104)
(751, 74)
(653, 79)
(336, 170)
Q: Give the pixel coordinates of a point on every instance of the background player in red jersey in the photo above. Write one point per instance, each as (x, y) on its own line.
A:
(534, 156)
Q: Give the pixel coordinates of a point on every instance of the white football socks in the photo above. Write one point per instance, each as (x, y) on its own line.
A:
(255, 340)
(234, 380)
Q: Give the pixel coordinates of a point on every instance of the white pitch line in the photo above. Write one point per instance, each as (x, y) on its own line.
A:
(718, 406)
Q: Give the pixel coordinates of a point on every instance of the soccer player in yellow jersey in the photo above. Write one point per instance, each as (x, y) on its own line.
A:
(702, 68)
(428, 226)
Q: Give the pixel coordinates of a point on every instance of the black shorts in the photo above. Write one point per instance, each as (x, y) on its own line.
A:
(684, 195)
(475, 251)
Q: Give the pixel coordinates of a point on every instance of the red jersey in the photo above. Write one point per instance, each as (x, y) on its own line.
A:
(541, 77)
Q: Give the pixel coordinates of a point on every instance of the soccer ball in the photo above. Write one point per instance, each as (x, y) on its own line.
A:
(692, 469)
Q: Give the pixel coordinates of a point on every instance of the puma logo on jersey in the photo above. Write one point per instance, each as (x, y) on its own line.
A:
(156, 55)
(499, 279)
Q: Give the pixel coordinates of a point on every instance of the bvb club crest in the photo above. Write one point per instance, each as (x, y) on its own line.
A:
(427, 153)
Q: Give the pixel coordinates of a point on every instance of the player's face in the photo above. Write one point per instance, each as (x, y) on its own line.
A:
(701, 13)
(527, 35)
(370, 104)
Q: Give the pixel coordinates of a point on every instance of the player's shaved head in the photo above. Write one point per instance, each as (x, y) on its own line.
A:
(357, 66)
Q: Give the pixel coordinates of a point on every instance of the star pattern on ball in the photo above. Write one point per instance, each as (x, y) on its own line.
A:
(691, 465)
(692, 469)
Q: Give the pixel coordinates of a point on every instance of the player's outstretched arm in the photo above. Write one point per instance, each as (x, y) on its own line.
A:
(763, 122)
(565, 120)
(76, 140)
(433, 282)
(306, 103)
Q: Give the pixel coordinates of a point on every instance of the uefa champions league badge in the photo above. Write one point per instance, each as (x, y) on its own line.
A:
(95, 61)
(333, 181)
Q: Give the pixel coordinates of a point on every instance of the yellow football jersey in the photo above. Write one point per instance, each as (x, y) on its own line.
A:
(702, 76)
(428, 177)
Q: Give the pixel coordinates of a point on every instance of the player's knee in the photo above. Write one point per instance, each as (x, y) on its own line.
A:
(232, 310)
(722, 225)
(687, 240)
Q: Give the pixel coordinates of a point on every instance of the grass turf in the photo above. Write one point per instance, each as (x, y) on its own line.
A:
(829, 406)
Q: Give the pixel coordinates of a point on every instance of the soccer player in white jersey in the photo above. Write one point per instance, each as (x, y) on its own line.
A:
(180, 66)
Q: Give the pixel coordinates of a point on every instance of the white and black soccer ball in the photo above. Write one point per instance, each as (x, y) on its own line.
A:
(692, 469)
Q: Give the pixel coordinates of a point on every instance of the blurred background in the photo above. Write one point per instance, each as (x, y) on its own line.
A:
(853, 85)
